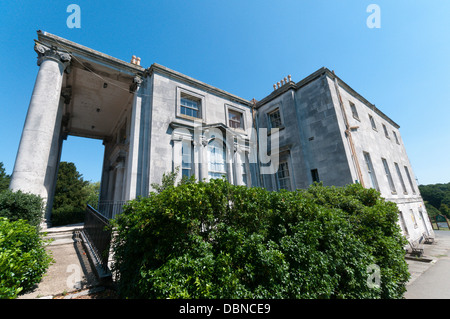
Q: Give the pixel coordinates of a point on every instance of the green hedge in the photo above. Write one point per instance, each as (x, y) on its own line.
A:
(216, 240)
(23, 259)
(67, 215)
(19, 205)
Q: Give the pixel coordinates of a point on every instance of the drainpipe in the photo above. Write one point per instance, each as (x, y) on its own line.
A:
(348, 133)
(256, 126)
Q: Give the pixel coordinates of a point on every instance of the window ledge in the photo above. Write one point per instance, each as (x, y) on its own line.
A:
(269, 132)
(187, 117)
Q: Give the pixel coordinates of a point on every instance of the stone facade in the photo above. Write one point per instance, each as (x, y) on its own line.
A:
(156, 120)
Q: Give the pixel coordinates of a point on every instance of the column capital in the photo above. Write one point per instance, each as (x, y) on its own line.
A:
(137, 81)
(45, 52)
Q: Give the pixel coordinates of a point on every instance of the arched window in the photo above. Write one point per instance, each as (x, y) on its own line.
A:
(216, 159)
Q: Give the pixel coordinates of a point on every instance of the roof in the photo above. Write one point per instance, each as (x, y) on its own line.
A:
(314, 76)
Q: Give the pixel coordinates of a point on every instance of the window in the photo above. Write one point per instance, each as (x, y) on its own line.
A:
(235, 119)
(403, 224)
(189, 107)
(216, 159)
(396, 138)
(186, 160)
(413, 217)
(370, 170)
(354, 111)
(410, 180)
(275, 119)
(388, 176)
(372, 122)
(243, 169)
(283, 177)
(315, 175)
(400, 177)
(385, 131)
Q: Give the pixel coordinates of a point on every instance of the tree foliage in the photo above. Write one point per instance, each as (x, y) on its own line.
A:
(217, 240)
(72, 193)
(19, 205)
(23, 258)
(437, 198)
(4, 178)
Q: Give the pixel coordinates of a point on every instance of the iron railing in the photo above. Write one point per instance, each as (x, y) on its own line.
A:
(97, 230)
(110, 209)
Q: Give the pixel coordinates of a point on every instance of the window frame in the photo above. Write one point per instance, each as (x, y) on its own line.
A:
(409, 179)
(371, 171)
(354, 111)
(233, 109)
(386, 133)
(184, 167)
(389, 176)
(400, 177)
(209, 162)
(182, 93)
(396, 137)
(372, 123)
(284, 178)
(280, 118)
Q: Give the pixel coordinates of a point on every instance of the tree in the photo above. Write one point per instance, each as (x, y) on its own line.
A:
(71, 195)
(4, 178)
(436, 197)
(70, 187)
(218, 240)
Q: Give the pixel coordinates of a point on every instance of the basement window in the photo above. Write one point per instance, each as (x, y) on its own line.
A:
(315, 175)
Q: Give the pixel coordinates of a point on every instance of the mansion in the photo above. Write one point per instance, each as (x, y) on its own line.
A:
(156, 120)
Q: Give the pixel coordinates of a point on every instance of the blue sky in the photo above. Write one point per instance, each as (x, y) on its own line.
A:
(246, 46)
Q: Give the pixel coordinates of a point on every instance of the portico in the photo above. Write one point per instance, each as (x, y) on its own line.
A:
(79, 92)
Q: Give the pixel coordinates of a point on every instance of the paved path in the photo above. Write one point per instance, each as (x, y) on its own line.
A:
(71, 270)
(431, 280)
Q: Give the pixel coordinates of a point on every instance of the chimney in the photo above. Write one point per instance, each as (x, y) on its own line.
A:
(138, 61)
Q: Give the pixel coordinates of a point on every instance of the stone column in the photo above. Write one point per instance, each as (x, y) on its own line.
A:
(197, 159)
(229, 163)
(133, 175)
(238, 167)
(177, 158)
(118, 187)
(35, 146)
(53, 162)
(204, 159)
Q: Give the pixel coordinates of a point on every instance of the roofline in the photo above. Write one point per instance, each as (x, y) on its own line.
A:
(158, 68)
(314, 76)
(81, 51)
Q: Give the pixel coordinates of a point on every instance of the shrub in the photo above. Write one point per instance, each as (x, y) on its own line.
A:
(216, 240)
(66, 215)
(23, 259)
(19, 205)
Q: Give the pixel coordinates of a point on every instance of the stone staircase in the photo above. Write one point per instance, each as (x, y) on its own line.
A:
(62, 235)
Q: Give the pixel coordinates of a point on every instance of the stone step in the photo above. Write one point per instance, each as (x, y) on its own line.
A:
(62, 235)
